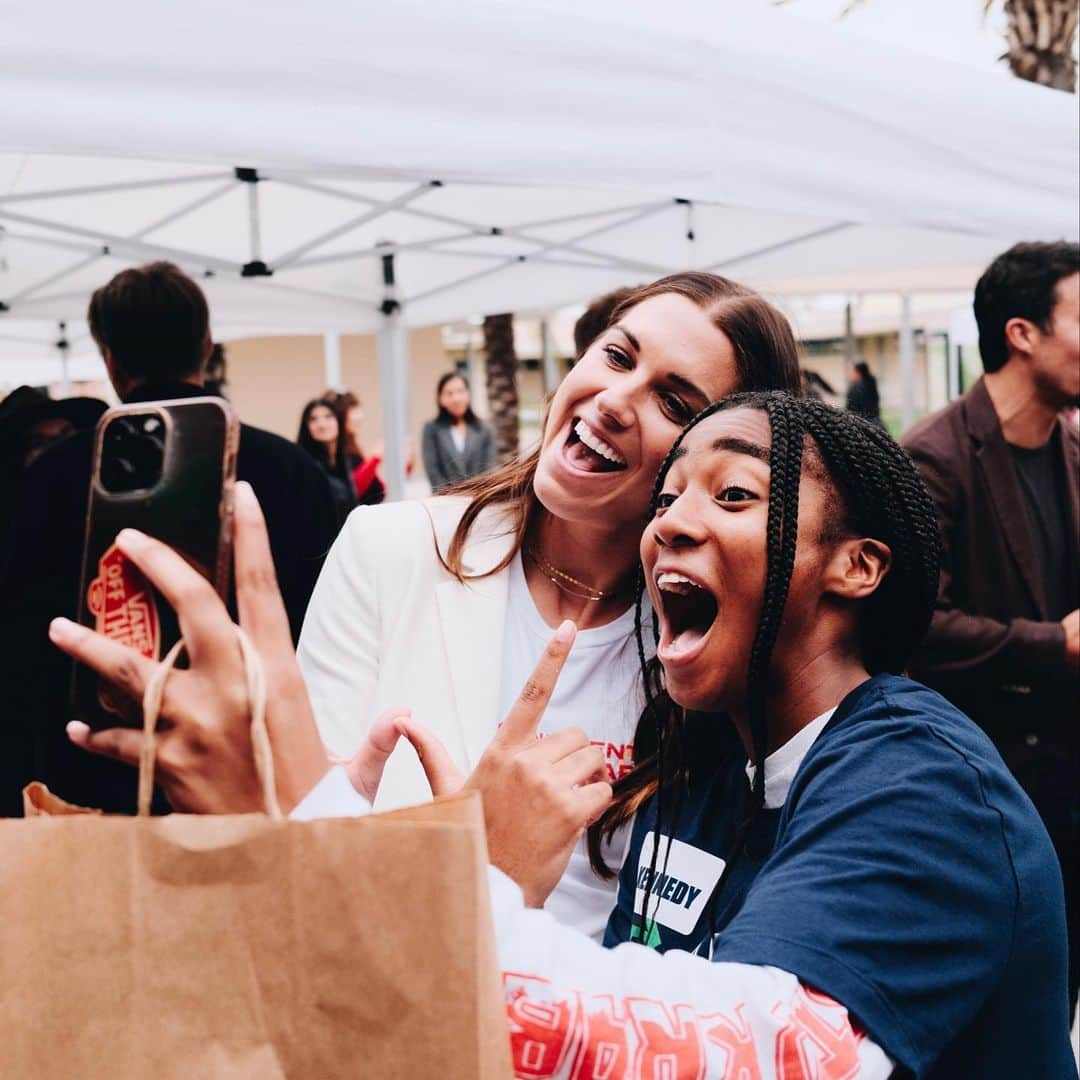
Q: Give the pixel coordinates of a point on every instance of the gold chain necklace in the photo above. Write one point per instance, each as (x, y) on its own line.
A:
(564, 581)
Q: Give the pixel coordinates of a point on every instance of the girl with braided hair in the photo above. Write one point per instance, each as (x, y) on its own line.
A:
(835, 872)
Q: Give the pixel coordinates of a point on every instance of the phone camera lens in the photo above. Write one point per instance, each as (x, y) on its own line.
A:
(132, 453)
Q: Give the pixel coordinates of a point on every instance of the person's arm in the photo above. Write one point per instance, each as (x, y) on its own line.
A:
(976, 647)
(339, 645)
(364, 475)
(429, 451)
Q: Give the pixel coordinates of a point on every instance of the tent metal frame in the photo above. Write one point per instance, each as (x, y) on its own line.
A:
(392, 338)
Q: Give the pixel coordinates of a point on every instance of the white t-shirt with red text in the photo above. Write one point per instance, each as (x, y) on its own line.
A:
(599, 691)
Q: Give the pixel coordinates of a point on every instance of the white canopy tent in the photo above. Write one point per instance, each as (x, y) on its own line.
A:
(358, 166)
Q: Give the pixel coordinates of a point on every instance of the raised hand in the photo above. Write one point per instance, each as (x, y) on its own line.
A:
(539, 793)
(204, 756)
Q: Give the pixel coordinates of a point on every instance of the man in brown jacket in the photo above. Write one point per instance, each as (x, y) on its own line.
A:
(1003, 466)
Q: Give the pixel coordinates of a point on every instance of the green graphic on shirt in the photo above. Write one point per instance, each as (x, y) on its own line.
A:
(652, 938)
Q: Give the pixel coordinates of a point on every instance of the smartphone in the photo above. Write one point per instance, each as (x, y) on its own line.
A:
(168, 469)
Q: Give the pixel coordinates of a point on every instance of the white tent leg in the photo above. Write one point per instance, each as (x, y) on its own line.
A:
(907, 364)
(551, 365)
(332, 361)
(954, 369)
(393, 353)
(850, 348)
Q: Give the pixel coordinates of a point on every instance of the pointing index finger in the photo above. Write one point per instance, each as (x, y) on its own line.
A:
(524, 717)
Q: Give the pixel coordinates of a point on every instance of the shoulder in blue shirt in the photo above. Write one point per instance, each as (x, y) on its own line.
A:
(907, 876)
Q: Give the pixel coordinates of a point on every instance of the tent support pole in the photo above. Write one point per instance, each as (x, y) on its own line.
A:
(907, 364)
(953, 370)
(62, 346)
(392, 346)
(551, 364)
(849, 335)
(332, 360)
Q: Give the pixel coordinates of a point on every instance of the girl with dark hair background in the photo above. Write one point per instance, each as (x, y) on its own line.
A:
(457, 444)
(862, 396)
(868, 891)
(366, 470)
(322, 435)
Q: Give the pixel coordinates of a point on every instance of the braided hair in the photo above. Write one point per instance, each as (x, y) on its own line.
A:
(881, 495)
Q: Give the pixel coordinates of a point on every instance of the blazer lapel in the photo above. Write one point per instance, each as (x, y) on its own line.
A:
(999, 473)
(472, 617)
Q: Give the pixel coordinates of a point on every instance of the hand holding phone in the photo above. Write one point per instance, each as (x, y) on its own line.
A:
(165, 468)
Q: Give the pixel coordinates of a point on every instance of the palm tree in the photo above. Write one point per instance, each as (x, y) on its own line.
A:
(1040, 36)
(500, 367)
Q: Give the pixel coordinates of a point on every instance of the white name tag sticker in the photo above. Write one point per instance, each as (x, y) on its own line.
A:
(679, 890)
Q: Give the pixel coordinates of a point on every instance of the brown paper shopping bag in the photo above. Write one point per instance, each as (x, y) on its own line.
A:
(248, 947)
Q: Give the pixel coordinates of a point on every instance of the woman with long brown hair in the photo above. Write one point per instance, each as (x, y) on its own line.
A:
(322, 435)
(445, 606)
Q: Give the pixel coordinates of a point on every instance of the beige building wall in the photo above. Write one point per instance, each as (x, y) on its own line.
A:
(271, 379)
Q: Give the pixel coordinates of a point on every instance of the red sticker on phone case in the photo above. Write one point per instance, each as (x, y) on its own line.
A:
(123, 604)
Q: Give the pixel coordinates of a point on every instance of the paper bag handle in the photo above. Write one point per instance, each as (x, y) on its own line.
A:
(255, 677)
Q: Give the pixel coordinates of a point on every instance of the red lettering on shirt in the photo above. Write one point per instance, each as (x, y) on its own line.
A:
(605, 1043)
(671, 1046)
(734, 1035)
(541, 1022)
(578, 1036)
(809, 1047)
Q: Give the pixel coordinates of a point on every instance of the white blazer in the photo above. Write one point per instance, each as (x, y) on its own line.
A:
(388, 625)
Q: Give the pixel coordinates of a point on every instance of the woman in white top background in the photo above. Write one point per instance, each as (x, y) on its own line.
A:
(445, 606)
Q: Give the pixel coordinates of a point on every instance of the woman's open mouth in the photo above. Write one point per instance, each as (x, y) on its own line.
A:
(585, 449)
(687, 613)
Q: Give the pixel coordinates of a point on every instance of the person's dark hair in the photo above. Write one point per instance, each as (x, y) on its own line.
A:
(154, 321)
(864, 397)
(444, 416)
(1020, 284)
(766, 358)
(341, 401)
(880, 495)
(316, 449)
(596, 318)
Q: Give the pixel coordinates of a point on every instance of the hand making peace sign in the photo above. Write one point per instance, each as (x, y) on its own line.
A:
(539, 793)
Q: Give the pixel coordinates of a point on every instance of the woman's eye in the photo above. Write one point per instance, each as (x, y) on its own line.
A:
(618, 357)
(734, 494)
(664, 501)
(676, 408)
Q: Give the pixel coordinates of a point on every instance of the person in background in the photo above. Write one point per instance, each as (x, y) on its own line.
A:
(457, 444)
(322, 436)
(152, 326)
(31, 422)
(366, 471)
(1003, 466)
(862, 395)
(596, 318)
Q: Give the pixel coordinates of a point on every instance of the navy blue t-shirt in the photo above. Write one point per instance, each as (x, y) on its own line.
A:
(907, 876)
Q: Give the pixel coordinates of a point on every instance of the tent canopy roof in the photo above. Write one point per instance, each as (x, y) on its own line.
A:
(512, 157)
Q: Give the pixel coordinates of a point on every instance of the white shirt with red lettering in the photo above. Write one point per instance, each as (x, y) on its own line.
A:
(600, 691)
